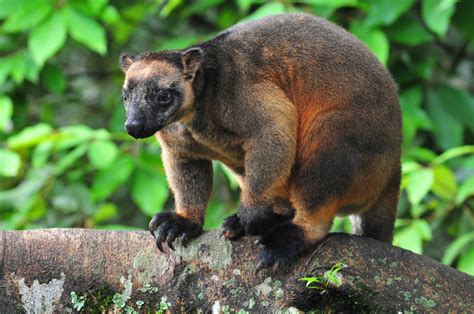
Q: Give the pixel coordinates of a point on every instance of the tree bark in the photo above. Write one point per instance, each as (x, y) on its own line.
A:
(59, 270)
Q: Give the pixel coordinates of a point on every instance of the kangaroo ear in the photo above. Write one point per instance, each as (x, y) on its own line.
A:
(126, 61)
(192, 61)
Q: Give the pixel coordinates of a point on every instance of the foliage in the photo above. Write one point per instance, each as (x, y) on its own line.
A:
(78, 302)
(329, 278)
(66, 162)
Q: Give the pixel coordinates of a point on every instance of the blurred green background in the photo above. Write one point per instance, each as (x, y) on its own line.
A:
(66, 162)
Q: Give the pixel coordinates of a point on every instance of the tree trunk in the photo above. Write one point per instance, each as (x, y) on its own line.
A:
(58, 270)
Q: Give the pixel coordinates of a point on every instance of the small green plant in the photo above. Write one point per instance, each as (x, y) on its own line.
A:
(118, 300)
(329, 278)
(139, 303)
(164, 305)
(148, 288)
(78, 302)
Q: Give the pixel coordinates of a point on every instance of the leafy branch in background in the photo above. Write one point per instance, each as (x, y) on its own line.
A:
(65, 160)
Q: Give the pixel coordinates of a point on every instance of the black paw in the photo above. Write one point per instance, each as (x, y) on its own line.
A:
(167, 227)
(231, 228)
(257, 220)
(281, 244)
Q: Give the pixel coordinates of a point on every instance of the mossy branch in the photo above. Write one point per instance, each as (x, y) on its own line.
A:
(55, 269)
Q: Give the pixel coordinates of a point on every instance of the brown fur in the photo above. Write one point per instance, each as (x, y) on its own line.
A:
(298, 108)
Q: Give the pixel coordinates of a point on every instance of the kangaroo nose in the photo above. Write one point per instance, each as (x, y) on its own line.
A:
(134, 127)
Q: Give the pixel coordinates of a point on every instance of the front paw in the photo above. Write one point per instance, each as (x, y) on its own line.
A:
(258, 219)
(231, 228)
(168, 226)
(281, 244)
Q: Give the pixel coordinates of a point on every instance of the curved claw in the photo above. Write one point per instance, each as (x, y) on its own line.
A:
(161, 235)
(261, 265)
(184, 239)
(171, 237)
(276, 266)
(160, 245)
(259, 242)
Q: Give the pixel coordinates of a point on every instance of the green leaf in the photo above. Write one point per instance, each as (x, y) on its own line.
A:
(215, 214)
(420, 154)
(70, 158)
(18, 71)
(234, 184)
(463, 18)
(110, 15)
(453, 153)
(374, 38)
(410, 166)
(177, 43)
(424, 229)
(29, 136)
(102, 153)
(458, 103)
(437, 14)
(149, 191)
(41, 154)
(85, 30)
(29, 16)
(96, 5)
(465, 190)
(414, 117)
(10, 162)
(6, 111)
(385, 12)
(5, 68)
(53, 79)
(408, 30)
(466, 262)
(47, 39)
(456, 247)
(105, 212)
(444, 185)
(266, 10)
(109, 179)
(8, 7)
(74, 135)
(419, 184)
(410, 239)
(331, 3)
(448, 131)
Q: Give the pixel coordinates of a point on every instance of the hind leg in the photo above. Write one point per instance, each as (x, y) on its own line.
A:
(316, 190)
(379, 220)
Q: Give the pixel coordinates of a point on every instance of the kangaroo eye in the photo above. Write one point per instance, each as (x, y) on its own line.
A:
(124, 96)
(163, 97)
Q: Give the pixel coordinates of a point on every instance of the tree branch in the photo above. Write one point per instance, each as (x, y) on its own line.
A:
(40, 268)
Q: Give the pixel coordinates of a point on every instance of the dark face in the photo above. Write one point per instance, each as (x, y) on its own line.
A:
(156, 93)
(151, 105)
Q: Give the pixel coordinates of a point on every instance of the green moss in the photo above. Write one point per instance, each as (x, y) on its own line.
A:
(251, 303)
(406, 295)
(279, 293)
(427, 303)
(144, 265)
(277, 284)
(378, 279)
(200, 295)
(190, 268)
